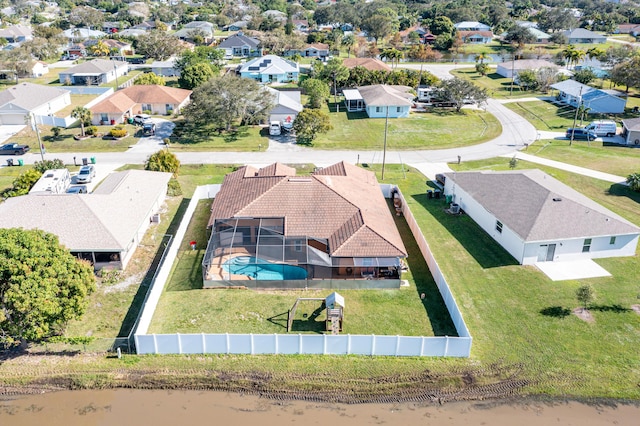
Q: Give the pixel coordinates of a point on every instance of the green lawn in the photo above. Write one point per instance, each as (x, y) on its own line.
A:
(497, 86)
(187, 308)
(545, 115)
(440, 128)
(76, 101)
(614, 159)
(66, 143)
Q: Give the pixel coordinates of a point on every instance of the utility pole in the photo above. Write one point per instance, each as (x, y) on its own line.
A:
(335, 91)
(34, 126)
(384, 149)
(575, 117)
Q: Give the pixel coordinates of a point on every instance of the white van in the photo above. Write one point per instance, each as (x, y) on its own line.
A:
(274, 128)
(603, 127)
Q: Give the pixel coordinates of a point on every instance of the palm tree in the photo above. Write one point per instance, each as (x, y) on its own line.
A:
(582, 111)
(633, 180)
(83, 114)
(100, 49)
(348, 41)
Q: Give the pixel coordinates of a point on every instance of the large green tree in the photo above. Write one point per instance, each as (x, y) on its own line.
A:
(163, 161)
(224, 101)
(310, 122)
(461, 91)
(42, 286)
(158, 45)
(317, 91)
(195, 75)
(149, 78)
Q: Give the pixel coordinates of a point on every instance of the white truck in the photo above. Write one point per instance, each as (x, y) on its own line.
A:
(603, 128)
(274, 128)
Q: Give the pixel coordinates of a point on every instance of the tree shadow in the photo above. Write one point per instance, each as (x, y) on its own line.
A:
(359, 115)
(234, 135)
(620, 190)
(556, 312)
(484, 249)
(615, 308)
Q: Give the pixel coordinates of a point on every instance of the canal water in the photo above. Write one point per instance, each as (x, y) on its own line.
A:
(158, 408)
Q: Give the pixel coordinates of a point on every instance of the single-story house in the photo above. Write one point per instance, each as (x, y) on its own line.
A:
(371, 64)
(135, 99)
(79, 34)
(196, 27)
(240, 45)
(582, 35)
(631, 131)
(270, 69)
(380, 100)
(331, 229)
(471, 26)
(633, 29)
(512, 68)
(133, 32)
(276, 15)
(121, 48)
(540, 36)
(20, 101)
(103, 227)
(314, 50)
(112, 27)
(236, 26)
(95, 72)
(537, 218)
(288, 105)
(599, 101)
(78, 49)
(17, 33)
(476, 37)
(165, 68)
(418, 33)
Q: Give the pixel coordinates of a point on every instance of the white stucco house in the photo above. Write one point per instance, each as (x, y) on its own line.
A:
(19, 101)
(96, 72)
(287, 105)
(536, 218)
(380, 100)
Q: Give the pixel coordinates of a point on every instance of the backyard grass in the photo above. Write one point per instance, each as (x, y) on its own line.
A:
(76, 101)
(66, 143)
(187, 308)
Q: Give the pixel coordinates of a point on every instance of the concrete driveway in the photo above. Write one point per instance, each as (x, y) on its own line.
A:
(8, 130)
(151, 144)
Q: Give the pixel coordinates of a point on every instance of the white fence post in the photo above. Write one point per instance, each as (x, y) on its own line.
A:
(373, 344)
(155, 344)
(397, 344)
(204, 343)
(179, 344)
(227, 342)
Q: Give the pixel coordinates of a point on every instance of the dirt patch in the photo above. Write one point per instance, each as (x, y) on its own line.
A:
(636, 309)
(583, 314)
(124, 284)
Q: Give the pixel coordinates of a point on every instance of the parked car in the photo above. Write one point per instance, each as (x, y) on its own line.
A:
(71, 57)
(274, 128)
(140, 119)
(603, 127)
(86, 174)
(77, 189)
(13, 149)
(149, 128)
(581, 134)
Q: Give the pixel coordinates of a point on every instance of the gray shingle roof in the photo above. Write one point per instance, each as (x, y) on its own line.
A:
(29, 96)
(106, 219)
(95, 66)
(632, 124)
(239, 40)
(385, 95)
(538, 207)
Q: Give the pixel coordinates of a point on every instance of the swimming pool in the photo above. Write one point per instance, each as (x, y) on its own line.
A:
(260, 269)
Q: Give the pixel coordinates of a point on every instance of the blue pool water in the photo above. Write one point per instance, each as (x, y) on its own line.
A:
(260, 269)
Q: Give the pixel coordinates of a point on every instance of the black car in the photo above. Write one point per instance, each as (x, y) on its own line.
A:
(581, 134)
(13, 149)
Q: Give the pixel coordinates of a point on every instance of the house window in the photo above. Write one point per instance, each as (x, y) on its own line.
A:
(378, 109)
(146, 107)
(104, 117)
(586, 247)
(169, 108)
(612, 240)
(398, 109)
(499, 226)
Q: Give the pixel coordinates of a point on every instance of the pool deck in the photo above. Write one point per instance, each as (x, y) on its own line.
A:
(217, 272)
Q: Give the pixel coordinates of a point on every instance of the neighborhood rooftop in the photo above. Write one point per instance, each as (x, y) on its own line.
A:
(538, 207)
(27, 96)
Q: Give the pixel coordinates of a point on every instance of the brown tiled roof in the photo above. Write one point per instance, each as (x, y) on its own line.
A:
(464, 34)
(123, 100)
(368, 63)
(341, 203)
(319, 46)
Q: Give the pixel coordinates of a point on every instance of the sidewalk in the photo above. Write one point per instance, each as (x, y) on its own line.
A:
(568, 167)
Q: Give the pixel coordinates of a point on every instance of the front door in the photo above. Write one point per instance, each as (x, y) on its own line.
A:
(546, 252)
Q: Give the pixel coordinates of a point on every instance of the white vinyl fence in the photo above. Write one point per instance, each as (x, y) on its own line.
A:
(52, 120)
(300, 343)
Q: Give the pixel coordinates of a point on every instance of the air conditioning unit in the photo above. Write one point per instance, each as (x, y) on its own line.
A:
(155, 218)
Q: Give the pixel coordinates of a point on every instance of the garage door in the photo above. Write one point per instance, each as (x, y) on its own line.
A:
(12, 119)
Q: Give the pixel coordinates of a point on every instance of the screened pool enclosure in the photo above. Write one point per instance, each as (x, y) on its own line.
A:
(254, 252)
